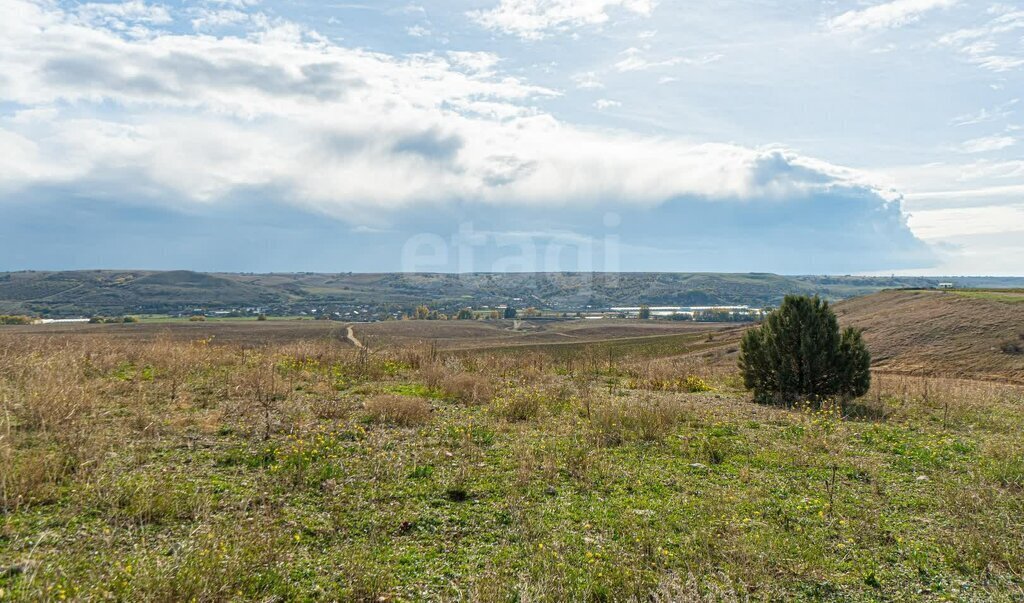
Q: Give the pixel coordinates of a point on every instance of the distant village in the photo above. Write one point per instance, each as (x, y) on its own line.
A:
(370, 313)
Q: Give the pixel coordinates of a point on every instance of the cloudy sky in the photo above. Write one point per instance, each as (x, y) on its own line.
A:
(795, 136)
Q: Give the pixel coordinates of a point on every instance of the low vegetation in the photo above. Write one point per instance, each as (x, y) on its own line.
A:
(404, 411)
(107, 320)
(1014, 347)
(1009, 296)
(171, 470)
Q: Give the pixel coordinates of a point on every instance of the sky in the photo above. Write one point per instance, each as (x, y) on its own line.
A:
(789, 136)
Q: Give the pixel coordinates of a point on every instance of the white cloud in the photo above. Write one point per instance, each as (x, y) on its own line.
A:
(983, 115)
(604, 103)
(895, 13)
(587, 81)
(346, 132)
(481, 63)
(417, 31)
(235, 3)
(123, 15)
(995, 45)
(987, 144)
(536, 19)
(207, 19)
(634, 60)
(965, 221)
(975, 183)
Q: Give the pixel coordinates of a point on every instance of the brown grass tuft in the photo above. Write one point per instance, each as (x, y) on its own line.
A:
(648, 420)
(468, 388)
(403, 411)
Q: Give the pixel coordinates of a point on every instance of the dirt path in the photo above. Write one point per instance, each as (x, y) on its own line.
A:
(350, 335)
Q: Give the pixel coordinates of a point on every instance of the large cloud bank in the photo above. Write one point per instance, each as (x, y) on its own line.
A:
(102, 102)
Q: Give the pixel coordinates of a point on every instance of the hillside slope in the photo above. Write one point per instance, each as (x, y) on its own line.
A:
(938, 333)
(94, 292)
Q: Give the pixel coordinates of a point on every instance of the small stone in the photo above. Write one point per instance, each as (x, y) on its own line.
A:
(14, 570)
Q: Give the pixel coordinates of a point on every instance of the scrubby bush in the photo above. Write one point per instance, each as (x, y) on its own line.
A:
(468, 388)
(799, 353)
(519, 403)
(15, 320)
(1014, 348)
(403, 411)
(112, 320)
(695, 384)
(647, 420)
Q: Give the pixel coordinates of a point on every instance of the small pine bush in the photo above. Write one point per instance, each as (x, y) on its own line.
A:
(799, 353)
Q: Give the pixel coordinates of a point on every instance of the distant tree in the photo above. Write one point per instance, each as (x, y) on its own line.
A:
(510, 312)
(129, 319)
(197, 318)
(464, 314)
(261, 317)
(798, 353)
(494, 315)
(531, 312)
(422, 313)
(15, 320)
(645, 312)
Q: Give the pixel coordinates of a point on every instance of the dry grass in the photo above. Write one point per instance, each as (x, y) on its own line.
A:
(173, 470)
(942, 334)
(403, 411)
(519, 404)
(469, 388)
(647, 419)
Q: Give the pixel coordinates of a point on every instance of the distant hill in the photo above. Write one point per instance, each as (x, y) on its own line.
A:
(112, 292)
(124, 292)
(949, 334)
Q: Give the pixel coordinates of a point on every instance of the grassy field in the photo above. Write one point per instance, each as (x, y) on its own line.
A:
(1010, 296)
(461, 334)
(947, 333)
(169, 468)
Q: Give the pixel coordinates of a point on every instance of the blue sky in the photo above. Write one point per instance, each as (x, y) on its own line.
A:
(798, 136)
